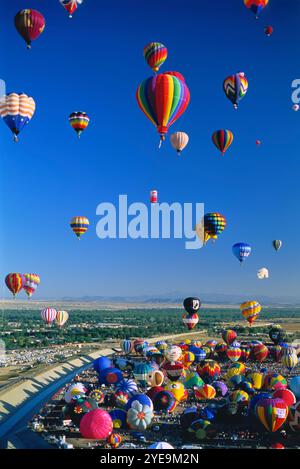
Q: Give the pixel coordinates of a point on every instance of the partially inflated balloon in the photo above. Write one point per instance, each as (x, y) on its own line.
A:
(163, 99)
(79, 122)
(256, 6)
(31, 283)
(96, 424)
(16, 110)
(155, 54)
(222, 139)
(235, 87)
(29, 24)
(15, 282)
(179, 141)
(79, 225)
(61, 318)
(277, 244)
(48, 315)
(241, 251)
(70, 5)
(250, 310)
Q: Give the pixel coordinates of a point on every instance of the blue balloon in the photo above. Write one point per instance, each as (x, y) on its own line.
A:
(241, 251)
(256, 398)
(141, 398)
(101, 363)
(199, 353)
(295, 386)
(110, 376)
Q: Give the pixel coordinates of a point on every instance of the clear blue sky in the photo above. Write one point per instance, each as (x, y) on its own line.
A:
(94, 63)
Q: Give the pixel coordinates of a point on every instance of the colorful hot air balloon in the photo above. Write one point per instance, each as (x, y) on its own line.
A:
(155, 55)
(250, 310)
(179, 141)
(289, 359)
(48, 315)
(260, 352)
(222, 139)
(229, 336)
(70, 5)
(256, 6)
(277, 244)
(272, 413)
(16, 109)
(234, 353)
(61, 318)
(241, 251)
(31, 283)
(127, 346)
(79, 225)
(96, 424)
(114, 440)
(15, 282)
(206, 392)
(153, 197)
(235, 88)
(269, 31)
(209, 371)
(29, 24)
(173, 370)
(163, 99)
(190, 320)
(214, 224)
(79, 121)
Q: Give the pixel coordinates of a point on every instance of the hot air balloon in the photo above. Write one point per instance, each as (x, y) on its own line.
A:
(96, 425)
(114, 440)
(241, 251)
(77, 409)
(250, 310)
(296, 107)
(153, 197)
(61, 318)
(211, 226)
(173, 370)
(209, 371)
(101, 363)
(286, 395)
(128, 386)
(272, 413)
(206, 392)
(260, 352)
(173, 353)
(163, 99)
(190, 320)
(79, 122)
(16, 110)
(295, 386)
(269, 31)
(191, 304)
(110, 376)
(290, 360)
(79, 225)
(179, 141)
(15, 282)
(127, 346)
(31, 283)
(222, 139)
(70, 5)
(258, 142)
(229, 336)
(277, 244)
(139, 416)
(294, 417)
(29, 24)
(234, 354)
(155, 55)
(178, 390)
(256, 6)
(262, 273)
(74, 392)
(48, 315)
(235, 88)
(277, 334)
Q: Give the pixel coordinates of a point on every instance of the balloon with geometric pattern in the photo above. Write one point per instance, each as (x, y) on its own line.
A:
(155, 54)
(235, 87)
(79, 121)
(70, 5)
(222, 139)
(16, 109)
(31, 283)
(256, 6)
(79, 225)
(250, 310)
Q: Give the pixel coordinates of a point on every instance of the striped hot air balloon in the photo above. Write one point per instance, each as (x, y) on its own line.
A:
(79, 225)
(16, 109)
(127, 346)
(250, 310)
(205, 392)
(15, 282)
(260, 352)
(163, 99)
(79, 121)
(190, 320)
(155, 54)
(179, 141)
(114, 440)
(48, 315)
(234, 353)
(32, 281)
(70, 5)
(229, 336)
(272, 413)
(277, 244)
(256, 6)
(61, 318)
(29, 24)
(235, 88)
(222, 139)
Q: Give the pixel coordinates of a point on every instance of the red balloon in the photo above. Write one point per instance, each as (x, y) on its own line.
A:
(286, 395)
(268, 30)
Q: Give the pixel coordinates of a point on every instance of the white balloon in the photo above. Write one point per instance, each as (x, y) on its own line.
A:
(263, 273)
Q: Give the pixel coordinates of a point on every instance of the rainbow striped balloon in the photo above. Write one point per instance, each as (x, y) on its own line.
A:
(79, 122)
(155, 54)
(48, 315)
(16, 110)
(235, 87)
(222, 139)
(31, 283)
(61, 318)
(79, 225)
(163, 99)
(250, 310)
